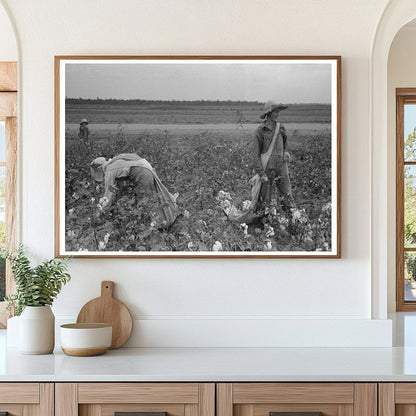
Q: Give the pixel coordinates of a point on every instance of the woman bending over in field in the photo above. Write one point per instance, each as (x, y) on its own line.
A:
(138, 170)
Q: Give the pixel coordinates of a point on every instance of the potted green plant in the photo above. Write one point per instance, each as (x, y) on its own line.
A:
(36, 289)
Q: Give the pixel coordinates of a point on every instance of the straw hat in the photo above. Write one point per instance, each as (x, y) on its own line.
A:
(272, 106)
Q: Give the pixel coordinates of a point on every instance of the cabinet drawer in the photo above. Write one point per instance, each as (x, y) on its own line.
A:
(19, 393)
(148, 399)
(309, 399)
(21, 399)
(138, 393)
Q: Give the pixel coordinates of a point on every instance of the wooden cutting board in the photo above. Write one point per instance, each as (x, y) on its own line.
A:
(108, 310)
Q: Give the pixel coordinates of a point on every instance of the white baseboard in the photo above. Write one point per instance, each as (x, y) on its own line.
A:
(188, 332)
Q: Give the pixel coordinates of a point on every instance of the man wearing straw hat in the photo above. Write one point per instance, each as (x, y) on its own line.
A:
(84, 132)
(271, 158)
(84, 136)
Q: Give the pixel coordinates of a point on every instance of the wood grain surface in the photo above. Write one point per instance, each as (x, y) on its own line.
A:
(8, 76)
(225, 399)
(365, 399)
(107, 393)
(252, 393)
(109, 310)
(66, 399)
(386, 399)
(22, 393)
(8, 105)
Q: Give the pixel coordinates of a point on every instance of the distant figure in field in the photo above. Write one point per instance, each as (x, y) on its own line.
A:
(84, 132)
(84, 142)
(240, 120)
(130, 166)
(271, 159)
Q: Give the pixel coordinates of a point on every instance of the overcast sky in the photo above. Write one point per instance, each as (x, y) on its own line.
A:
(286, 83)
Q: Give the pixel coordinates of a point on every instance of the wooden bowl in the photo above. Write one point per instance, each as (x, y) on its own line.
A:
(84, 340)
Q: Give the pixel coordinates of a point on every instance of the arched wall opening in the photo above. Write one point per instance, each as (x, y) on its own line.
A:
(396, 15)
(8, 149)
(401, 73)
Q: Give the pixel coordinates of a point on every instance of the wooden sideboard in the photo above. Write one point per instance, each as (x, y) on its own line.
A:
(208, 399)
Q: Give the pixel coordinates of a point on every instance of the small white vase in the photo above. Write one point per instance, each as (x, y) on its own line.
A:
(37, 330)
(12, 334)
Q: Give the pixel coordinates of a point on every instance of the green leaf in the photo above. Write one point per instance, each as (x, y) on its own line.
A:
(35, 286)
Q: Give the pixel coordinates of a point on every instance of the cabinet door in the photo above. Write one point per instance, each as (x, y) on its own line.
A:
(397, 399)
(297, 399)
(142, 399)
(26, 399)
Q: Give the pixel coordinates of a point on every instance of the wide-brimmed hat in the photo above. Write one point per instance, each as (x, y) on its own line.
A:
(84, 121)
(97, 168)
(272, 106)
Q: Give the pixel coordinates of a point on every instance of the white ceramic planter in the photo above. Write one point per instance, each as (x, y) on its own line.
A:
(37, 330)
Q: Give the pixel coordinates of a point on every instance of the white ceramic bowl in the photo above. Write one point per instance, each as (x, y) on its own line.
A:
(83, 340)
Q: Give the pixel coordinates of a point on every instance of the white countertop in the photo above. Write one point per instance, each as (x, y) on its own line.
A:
(221, 364)
(215, 364)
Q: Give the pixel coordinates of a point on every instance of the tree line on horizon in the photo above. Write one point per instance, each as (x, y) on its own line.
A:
(138, 101)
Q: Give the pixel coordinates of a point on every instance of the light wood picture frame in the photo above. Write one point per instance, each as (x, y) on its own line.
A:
(198, 156)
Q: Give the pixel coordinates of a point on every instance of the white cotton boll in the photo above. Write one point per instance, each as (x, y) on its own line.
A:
(223, 195)
(269, 231)
(246, 204)
(244, 227)
(327, 207)
(217, 246)
(296, 214)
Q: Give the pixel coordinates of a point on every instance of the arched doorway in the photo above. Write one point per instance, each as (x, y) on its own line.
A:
(395, 16)
(8, 150)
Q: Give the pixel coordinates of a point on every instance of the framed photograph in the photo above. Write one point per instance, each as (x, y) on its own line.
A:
(202, 156)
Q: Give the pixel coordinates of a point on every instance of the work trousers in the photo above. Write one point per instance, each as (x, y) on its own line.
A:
(278, 177)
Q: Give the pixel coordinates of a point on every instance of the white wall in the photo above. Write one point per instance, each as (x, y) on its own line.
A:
(401, 74)
(8, 47)
(200, 300)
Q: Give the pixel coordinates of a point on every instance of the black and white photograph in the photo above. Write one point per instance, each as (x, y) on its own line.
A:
(197, 156)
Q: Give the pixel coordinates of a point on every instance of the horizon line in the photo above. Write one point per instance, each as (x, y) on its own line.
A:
(191, 101)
